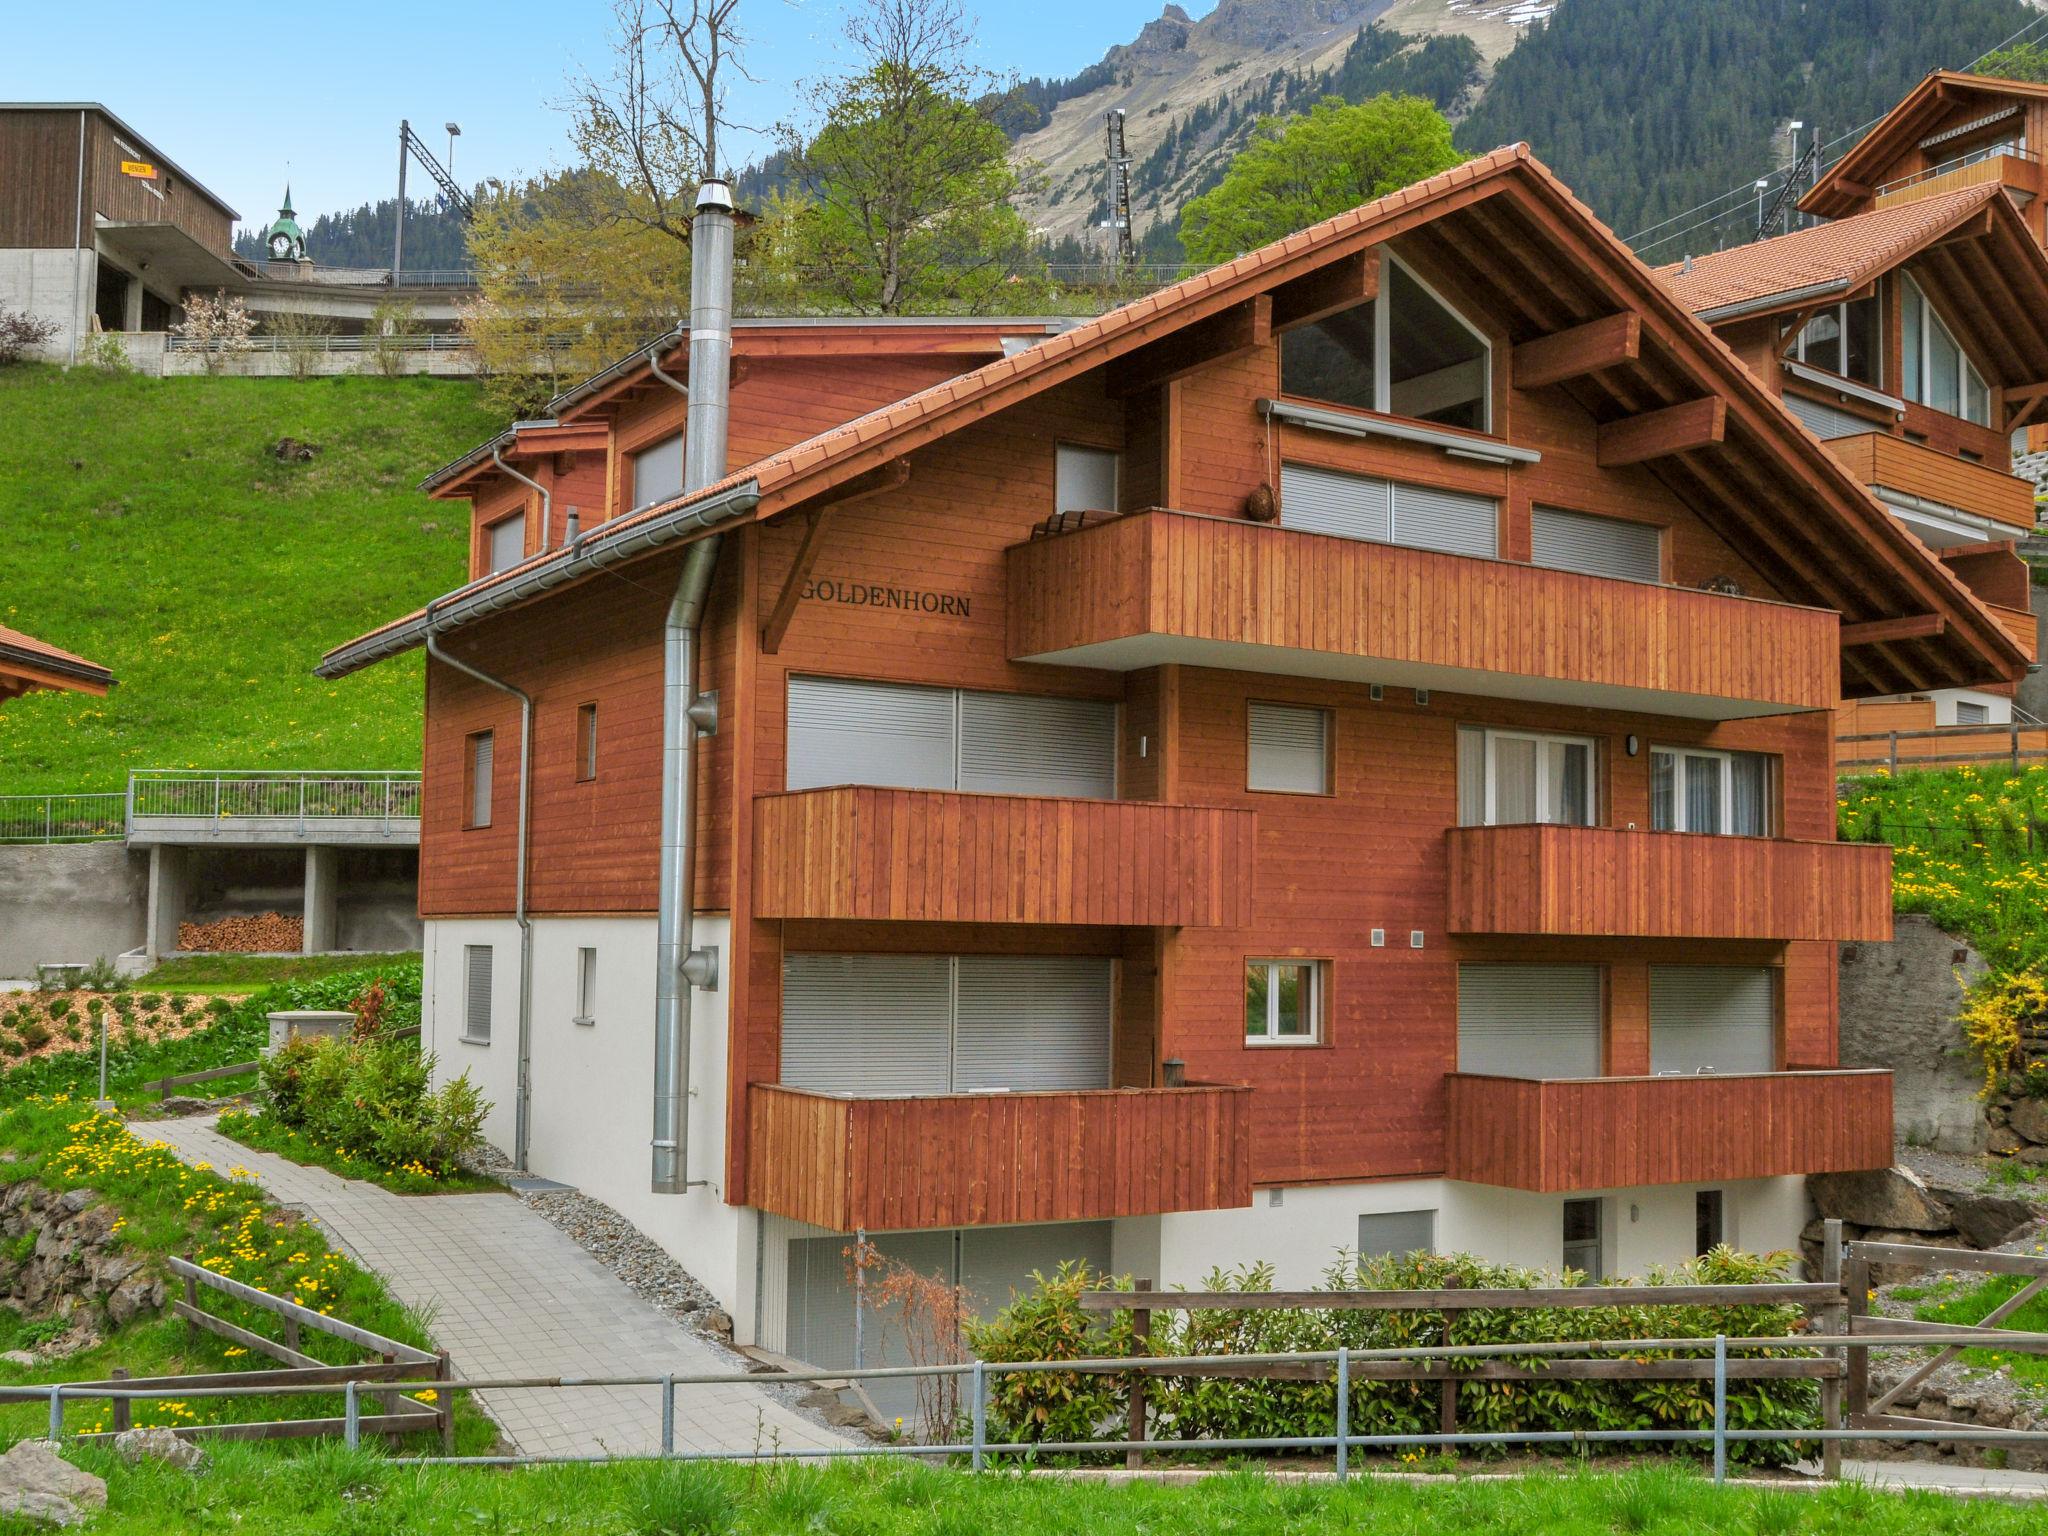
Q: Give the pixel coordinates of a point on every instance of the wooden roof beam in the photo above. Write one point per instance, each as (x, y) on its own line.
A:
(1231, 332)
(1344, 284)
(1682, 428)
(1593, 347)
(1919, 626)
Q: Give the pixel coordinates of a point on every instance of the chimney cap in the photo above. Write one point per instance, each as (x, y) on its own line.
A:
(713, 193)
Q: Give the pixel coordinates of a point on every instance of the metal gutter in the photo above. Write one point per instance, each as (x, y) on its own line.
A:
(64, 666)
(1352, 424)
(598, 550)
(547, 500)
(1771, 301)
(1841, 386)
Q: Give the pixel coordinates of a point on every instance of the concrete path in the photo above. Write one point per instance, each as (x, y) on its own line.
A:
(508, 1294)
(1943, 1476)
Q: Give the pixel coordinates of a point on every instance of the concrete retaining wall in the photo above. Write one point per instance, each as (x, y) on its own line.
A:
(76, 901)
(1898, 1008)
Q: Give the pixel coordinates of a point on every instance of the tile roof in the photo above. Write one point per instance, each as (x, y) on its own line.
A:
(28, 649)
(1848, 251)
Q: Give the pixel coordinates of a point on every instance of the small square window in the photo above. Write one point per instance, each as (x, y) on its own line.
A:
(1283, 1002)
(586, 743)
(1287, 749)
(586, 987)
(478, 771)
(1395, 1234)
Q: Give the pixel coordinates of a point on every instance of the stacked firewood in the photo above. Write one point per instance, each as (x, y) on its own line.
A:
(244, 935)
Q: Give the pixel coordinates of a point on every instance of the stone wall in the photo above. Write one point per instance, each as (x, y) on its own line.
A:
(1899, 1002)
(72, 901)
(78, 1269)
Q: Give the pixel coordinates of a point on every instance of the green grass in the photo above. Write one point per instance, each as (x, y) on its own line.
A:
(149, 529)
(1949, 1301)
(329, 1491)
(246, 973)
(265, 1135)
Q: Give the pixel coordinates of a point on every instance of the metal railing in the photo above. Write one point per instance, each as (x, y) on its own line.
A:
(63, 818)
(426, 341)
(366, 277)
(2006, 148)
(240, 795)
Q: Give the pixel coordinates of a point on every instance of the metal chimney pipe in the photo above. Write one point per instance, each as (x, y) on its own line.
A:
(678, 965)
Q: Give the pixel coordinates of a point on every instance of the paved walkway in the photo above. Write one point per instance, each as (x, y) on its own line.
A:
(508, 1294)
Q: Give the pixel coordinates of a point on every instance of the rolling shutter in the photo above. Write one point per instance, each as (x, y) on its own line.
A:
(1712, 1018)
(847, 732)
(1968, 713)
(1825, 421)
(1598, 546)
(1032, 1022)
(1452, 521)
(1326, 501)
(1287, 748)
(1393, 1234)
(1029, 744)
(996, 1263)
(476, 992)
(1529, 1020)
(872, 1025)
(508, 542)
(1084, 479)
(480, 755)
(658, 471)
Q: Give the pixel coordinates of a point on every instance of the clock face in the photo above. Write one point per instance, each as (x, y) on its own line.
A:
(280, 245)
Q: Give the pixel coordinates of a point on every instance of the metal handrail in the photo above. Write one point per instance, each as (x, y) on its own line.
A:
(426, 341)
(92, 817)
(383, 794)
(2004, 149)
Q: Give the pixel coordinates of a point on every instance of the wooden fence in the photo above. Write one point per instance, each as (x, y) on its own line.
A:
(397, 1414)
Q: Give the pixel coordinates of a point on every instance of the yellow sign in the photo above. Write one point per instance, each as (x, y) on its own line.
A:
(140, 168)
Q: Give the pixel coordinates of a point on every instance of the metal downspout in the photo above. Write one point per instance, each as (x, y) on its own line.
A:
(547, 501)
(678, 965)
(523, 1092)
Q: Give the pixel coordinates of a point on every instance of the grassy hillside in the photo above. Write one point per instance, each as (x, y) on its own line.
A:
(148, 527)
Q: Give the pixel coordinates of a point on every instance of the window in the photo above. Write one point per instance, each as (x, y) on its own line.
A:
(1388, 511)
(657, 471)
(586, 742)
(1826, 421)
(1287, 749)
(1282, 1002)
(1968, 713)
(1694, 789)
(1536, 1021)
(586, 987)
(1084, 479)
(849, 731)
(507, 542)
(876, 1025)
(1709, 1221)
(1509, 778)
(1597, 546)
(1937, 371)
(1582, 1238)
(476, 994)
(1844, 339)
(1713, 1018)
(1393, 1234)
(480, 779)
(1406, 353)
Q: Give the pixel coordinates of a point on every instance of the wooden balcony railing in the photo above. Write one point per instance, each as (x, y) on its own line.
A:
(911, 855)
(1879, 459)
(1164, 586)
(987, 1158)
(1604, 882)
(1613, 1132)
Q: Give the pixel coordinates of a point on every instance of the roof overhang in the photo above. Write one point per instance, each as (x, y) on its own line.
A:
(167, 257)
(1850, 182)
(27, 664)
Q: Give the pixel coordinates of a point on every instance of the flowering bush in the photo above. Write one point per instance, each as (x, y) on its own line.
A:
(369, 1101)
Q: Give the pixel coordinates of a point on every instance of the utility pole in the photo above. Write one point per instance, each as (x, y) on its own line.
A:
(398, 240)
(1119, 184)
(411, 145)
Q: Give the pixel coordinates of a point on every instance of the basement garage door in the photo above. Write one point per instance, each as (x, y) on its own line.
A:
(1713, 1018)
(1529, 1020)
(875, 1025)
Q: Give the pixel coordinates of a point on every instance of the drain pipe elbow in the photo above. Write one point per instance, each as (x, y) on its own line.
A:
(654, 367)
(547, 500)
(523, 1090)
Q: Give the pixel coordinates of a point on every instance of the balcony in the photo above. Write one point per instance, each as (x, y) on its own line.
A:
(1941, 480)
(1614, 1132)
(988, 1158)
(1161, 586)
(2019, 171)
(1603, 882)
(909, 855)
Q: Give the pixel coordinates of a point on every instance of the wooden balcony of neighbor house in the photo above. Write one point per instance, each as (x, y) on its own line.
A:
(2018, 170)
(911, 855)
(1163, 586)
(1607, 882)
(1553, 1135)
(976, 1159)
(1942, 480)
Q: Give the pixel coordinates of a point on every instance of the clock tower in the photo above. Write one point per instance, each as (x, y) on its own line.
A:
(285, 241)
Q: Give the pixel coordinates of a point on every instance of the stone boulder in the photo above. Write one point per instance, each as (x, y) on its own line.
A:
(77, 1260)
(1896, 1199)
(38, 1484)
(1893, 1274)
(159, 1444)
(1985, 1221)
(2028, 1117)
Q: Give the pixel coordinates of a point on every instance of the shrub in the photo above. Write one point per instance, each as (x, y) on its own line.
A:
(58, 1007)
(101, 976)
(35, 1034)
(178, 1002)
(220, 1007)
(1996, 1011)
(373, 1100)
(149, 1002)
(11, 1046)
(21, 333)
(1047, 1323)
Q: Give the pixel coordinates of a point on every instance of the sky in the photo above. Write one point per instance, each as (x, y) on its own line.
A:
(243, 97)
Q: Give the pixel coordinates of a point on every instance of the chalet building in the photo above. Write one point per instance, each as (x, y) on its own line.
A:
(27, 663)
(1335, 755)
(1911, 334)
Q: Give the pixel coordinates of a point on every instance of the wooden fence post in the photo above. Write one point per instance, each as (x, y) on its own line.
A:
(1447, 1400)
(1833, 1320)
(1141, 1333)
(1856, 1285)
(192, 1301)
(387, 1402)
(123, 1409)
(291, 1332)
(444, 1371)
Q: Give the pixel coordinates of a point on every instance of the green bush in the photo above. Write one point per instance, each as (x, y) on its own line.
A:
(1047, 1323)
(34, 1033)
(58, 1007)
(373, 1100)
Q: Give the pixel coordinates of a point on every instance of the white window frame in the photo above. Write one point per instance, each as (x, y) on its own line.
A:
(586, 985)
(1542, 739)
(1680, 800)
(1315, 970)
(1918, 390)
(1383, 346)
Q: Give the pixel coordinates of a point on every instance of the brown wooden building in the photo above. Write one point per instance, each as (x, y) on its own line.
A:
(1331, 756)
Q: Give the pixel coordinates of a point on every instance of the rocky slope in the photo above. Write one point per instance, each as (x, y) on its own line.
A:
(1176, 67)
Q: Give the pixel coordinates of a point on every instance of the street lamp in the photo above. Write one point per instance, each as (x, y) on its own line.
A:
(454, 133)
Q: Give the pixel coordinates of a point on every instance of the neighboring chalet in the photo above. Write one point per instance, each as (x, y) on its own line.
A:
(27, 663)
(1914, 340)
(1334, 755)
